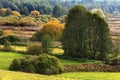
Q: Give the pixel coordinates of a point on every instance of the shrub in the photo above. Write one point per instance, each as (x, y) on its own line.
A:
(7, 46)
(112, 59)
(48, 65)
(15, 65)
(10, 38)
(1, 32)
(23, 64)
(46, 44)
(43, 64)
(34, 49)
(37, 36)
(35, 13)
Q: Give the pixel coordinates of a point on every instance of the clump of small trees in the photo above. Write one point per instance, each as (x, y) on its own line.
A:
(42, 64)
(34, 49)
(7, 46)
(44, 47)
(53, 28)
(86, 35)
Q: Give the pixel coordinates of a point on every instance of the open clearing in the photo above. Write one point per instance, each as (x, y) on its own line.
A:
(6, 59)
(10, 75)
(91, 76)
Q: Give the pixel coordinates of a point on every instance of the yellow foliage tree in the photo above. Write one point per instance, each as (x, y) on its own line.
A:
(3, 11)
(16, 13)
(53, 28)
(35, 13)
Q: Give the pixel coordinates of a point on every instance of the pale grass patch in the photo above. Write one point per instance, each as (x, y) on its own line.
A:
(9, 75)
(57, 51)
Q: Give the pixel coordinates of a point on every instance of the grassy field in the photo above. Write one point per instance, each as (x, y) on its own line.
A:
(17, 48)
(6, 59)
(91, 76)
(10, 75)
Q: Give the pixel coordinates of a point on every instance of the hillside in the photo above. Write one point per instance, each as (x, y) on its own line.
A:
(113, 21)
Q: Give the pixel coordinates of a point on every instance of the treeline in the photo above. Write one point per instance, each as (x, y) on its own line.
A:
(60, 6)
(14, 18)
(26, 6)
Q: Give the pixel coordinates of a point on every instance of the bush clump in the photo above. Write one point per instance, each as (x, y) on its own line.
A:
(43, 64)
(7, 46)
(34, 49)
(1, 32)
(112, 59)
(11, 38)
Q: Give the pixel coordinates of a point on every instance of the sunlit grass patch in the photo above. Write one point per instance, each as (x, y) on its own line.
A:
(16, 48)
(9, 75)
(6, 59)
(91, 75)
(57, 51)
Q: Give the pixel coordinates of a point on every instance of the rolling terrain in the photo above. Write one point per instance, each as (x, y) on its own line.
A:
(113, 21)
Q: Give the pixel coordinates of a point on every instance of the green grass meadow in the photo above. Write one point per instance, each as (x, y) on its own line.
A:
(10, 75)
(7, 57)
(91, 76)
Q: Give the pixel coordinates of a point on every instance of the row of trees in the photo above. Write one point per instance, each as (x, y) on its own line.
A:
(49, 6)
(25, 7)
(7, 11)
(14, 18)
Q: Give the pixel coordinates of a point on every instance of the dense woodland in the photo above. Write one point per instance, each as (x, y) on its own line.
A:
(49, 6)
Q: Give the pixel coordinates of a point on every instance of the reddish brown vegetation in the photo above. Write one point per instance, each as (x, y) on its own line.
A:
(25, 32)
(91, 68)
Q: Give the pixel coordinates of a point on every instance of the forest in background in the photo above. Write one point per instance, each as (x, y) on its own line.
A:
(47, 6)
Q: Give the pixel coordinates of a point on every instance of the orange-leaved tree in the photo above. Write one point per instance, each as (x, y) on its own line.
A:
(53, 28)
(7, 32)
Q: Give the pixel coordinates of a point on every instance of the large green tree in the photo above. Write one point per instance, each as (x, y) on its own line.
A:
(85, 35)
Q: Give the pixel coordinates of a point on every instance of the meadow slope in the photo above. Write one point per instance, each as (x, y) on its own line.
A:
(10, 75)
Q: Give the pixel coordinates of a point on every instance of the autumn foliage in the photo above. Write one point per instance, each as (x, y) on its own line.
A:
(35, 13)
(16, 13)
(3, 11)
(53, 28)
(7, 32)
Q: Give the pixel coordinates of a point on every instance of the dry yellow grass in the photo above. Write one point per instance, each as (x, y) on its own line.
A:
(17, 48)
(57, 51)
(9, 75)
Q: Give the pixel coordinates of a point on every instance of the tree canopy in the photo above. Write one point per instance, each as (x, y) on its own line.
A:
(24, 7)
(86, 35)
